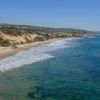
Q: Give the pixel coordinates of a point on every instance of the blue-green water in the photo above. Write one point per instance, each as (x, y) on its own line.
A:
(72, 74)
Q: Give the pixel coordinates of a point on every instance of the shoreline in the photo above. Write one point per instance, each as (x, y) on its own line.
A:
(25, 54)
(9, 51)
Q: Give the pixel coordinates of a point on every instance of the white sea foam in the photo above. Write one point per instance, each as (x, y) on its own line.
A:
(32, 55)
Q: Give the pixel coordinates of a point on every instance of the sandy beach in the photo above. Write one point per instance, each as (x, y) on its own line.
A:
(8, 51)
(11, 58)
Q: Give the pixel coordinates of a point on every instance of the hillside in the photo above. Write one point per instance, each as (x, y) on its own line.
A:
(20, 34)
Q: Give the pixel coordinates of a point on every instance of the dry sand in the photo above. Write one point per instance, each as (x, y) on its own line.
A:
(8, 51)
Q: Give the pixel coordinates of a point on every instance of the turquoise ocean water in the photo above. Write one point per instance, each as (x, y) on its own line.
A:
(70, 71)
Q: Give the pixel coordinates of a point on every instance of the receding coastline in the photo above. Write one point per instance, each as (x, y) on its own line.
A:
(14, 38)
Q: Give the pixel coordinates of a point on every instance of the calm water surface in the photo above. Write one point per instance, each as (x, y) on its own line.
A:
(72, 74)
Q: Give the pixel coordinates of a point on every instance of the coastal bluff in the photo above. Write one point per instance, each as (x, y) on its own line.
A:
(21, 34)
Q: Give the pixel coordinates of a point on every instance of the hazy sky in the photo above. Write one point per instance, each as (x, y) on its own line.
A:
(84, 14)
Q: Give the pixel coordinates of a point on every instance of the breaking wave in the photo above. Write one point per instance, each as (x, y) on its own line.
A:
(32, 55)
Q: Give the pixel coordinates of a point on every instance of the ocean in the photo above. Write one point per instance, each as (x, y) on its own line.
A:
(66, 69)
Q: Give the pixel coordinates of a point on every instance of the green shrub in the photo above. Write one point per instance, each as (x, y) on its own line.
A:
(5, 43)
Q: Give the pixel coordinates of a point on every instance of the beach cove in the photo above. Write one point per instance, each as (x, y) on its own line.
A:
(68, 71)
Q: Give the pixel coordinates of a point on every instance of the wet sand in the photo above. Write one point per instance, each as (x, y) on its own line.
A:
(8, 51)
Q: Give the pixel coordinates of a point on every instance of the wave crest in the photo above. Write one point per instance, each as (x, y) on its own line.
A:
(32, 55)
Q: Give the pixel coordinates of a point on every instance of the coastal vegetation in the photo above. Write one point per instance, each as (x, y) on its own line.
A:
(5, 42)
(21, 34)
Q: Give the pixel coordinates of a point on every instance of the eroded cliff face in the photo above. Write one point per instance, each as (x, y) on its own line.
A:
(21, 36)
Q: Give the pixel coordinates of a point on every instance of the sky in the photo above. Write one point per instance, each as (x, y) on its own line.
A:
(79, 14)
